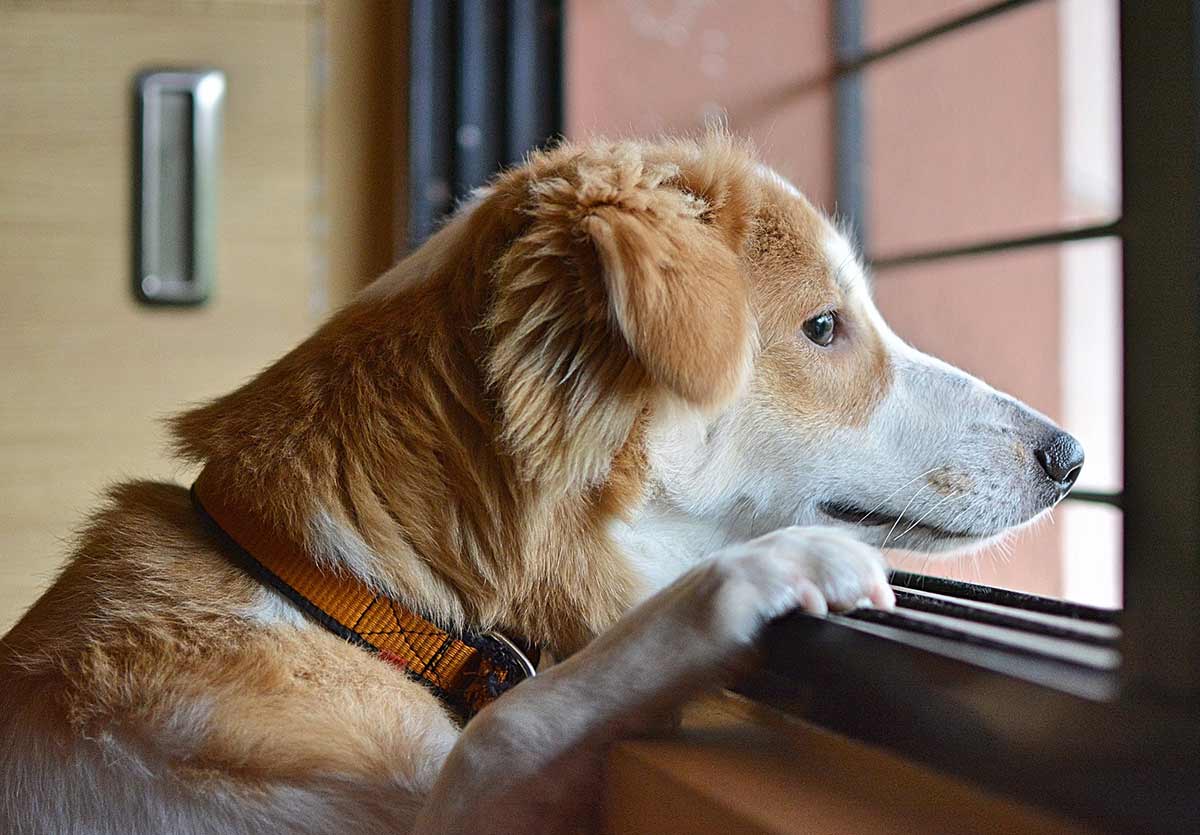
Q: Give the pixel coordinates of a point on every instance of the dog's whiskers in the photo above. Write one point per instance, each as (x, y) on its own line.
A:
(925, 515)
(952, 525)
(900, 518)
(925, 563)
(893, 494)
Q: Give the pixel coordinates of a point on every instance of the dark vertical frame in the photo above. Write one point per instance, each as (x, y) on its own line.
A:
(534, 88)
(483, 96)
(431, 116)
(1160, 117)
(850, 162)
(486, 87)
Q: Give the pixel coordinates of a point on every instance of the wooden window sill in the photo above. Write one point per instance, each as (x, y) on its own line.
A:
(737, 766)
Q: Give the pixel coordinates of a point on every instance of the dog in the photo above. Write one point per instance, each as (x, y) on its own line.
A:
(630, 403)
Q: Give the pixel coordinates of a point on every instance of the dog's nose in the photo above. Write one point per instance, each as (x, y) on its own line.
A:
(1061, 457)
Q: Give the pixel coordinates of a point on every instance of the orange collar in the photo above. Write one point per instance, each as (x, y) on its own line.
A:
(467, 671)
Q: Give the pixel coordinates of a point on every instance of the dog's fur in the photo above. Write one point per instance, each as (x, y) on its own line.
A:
(553, 419)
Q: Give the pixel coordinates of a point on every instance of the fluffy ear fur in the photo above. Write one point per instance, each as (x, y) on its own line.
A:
(678, 298)
(668, 247)
(627, 279)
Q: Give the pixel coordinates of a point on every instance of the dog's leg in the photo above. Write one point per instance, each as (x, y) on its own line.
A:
(535, 757)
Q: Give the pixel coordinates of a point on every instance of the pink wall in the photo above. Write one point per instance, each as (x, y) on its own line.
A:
(963, 135)
(891, 20)
(651, 67)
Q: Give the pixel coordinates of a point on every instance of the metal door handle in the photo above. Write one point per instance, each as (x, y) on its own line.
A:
(175, 191)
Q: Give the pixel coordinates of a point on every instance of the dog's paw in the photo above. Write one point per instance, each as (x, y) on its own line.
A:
(814, 569)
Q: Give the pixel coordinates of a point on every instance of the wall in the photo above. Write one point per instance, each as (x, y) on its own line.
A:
(308, 209)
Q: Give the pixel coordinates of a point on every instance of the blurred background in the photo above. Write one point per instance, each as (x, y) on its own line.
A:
(972, 146)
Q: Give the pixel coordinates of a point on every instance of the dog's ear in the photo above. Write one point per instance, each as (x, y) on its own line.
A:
(626, 278)
(676, 293)
(668, 239)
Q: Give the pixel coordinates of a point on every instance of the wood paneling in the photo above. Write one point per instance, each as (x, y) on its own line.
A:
(87, 372)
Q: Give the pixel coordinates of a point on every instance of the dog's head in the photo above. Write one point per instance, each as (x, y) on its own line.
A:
(777, 393)
(634, 349)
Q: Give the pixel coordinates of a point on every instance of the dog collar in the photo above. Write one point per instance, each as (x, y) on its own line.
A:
(466, 671)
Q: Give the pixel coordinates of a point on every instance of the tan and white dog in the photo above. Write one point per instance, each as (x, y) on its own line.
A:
(629, 404)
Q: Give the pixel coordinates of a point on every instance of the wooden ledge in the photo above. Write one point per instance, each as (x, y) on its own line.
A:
(737, 766)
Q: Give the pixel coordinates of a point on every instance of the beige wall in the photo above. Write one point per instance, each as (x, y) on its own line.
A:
(307, 210)
(363, 102)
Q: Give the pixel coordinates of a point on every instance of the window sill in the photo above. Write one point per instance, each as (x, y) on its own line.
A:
(737, 766)
(1040, 727)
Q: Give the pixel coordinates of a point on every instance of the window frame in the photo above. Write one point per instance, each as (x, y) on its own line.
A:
(1124, 757)
(485, 86)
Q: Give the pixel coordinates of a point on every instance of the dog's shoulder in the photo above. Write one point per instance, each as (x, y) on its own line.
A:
(143, 569)
(154, 653)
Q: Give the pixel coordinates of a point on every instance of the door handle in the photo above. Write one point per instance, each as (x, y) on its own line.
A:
(177, 138)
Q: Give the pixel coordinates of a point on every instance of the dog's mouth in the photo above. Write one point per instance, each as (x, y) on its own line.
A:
(903, 530)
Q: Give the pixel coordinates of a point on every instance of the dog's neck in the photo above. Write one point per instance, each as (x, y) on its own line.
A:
(661, 542)
(375, 444)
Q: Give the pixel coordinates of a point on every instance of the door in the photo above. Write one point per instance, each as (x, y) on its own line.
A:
(88, 372)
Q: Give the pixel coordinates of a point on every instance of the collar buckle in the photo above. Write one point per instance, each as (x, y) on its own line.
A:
(523, 663)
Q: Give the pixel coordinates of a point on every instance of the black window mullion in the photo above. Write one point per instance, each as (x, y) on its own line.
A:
(483, 95)
(535, 96)
(1096, 497)
(850, 162)
(431, 116)
(485, 88)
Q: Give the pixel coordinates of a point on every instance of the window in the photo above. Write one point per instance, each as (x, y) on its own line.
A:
(1028, 172)
(995, 129)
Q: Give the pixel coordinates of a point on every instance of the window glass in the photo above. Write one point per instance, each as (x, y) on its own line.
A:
(1003, 128)
(1042, 324)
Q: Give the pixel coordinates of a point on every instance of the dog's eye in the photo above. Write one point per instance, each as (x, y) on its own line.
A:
(820, 329)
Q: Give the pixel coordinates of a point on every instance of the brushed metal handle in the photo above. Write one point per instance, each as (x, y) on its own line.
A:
(177, 135)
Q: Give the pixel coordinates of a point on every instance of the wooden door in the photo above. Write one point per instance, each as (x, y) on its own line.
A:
(88, 373)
